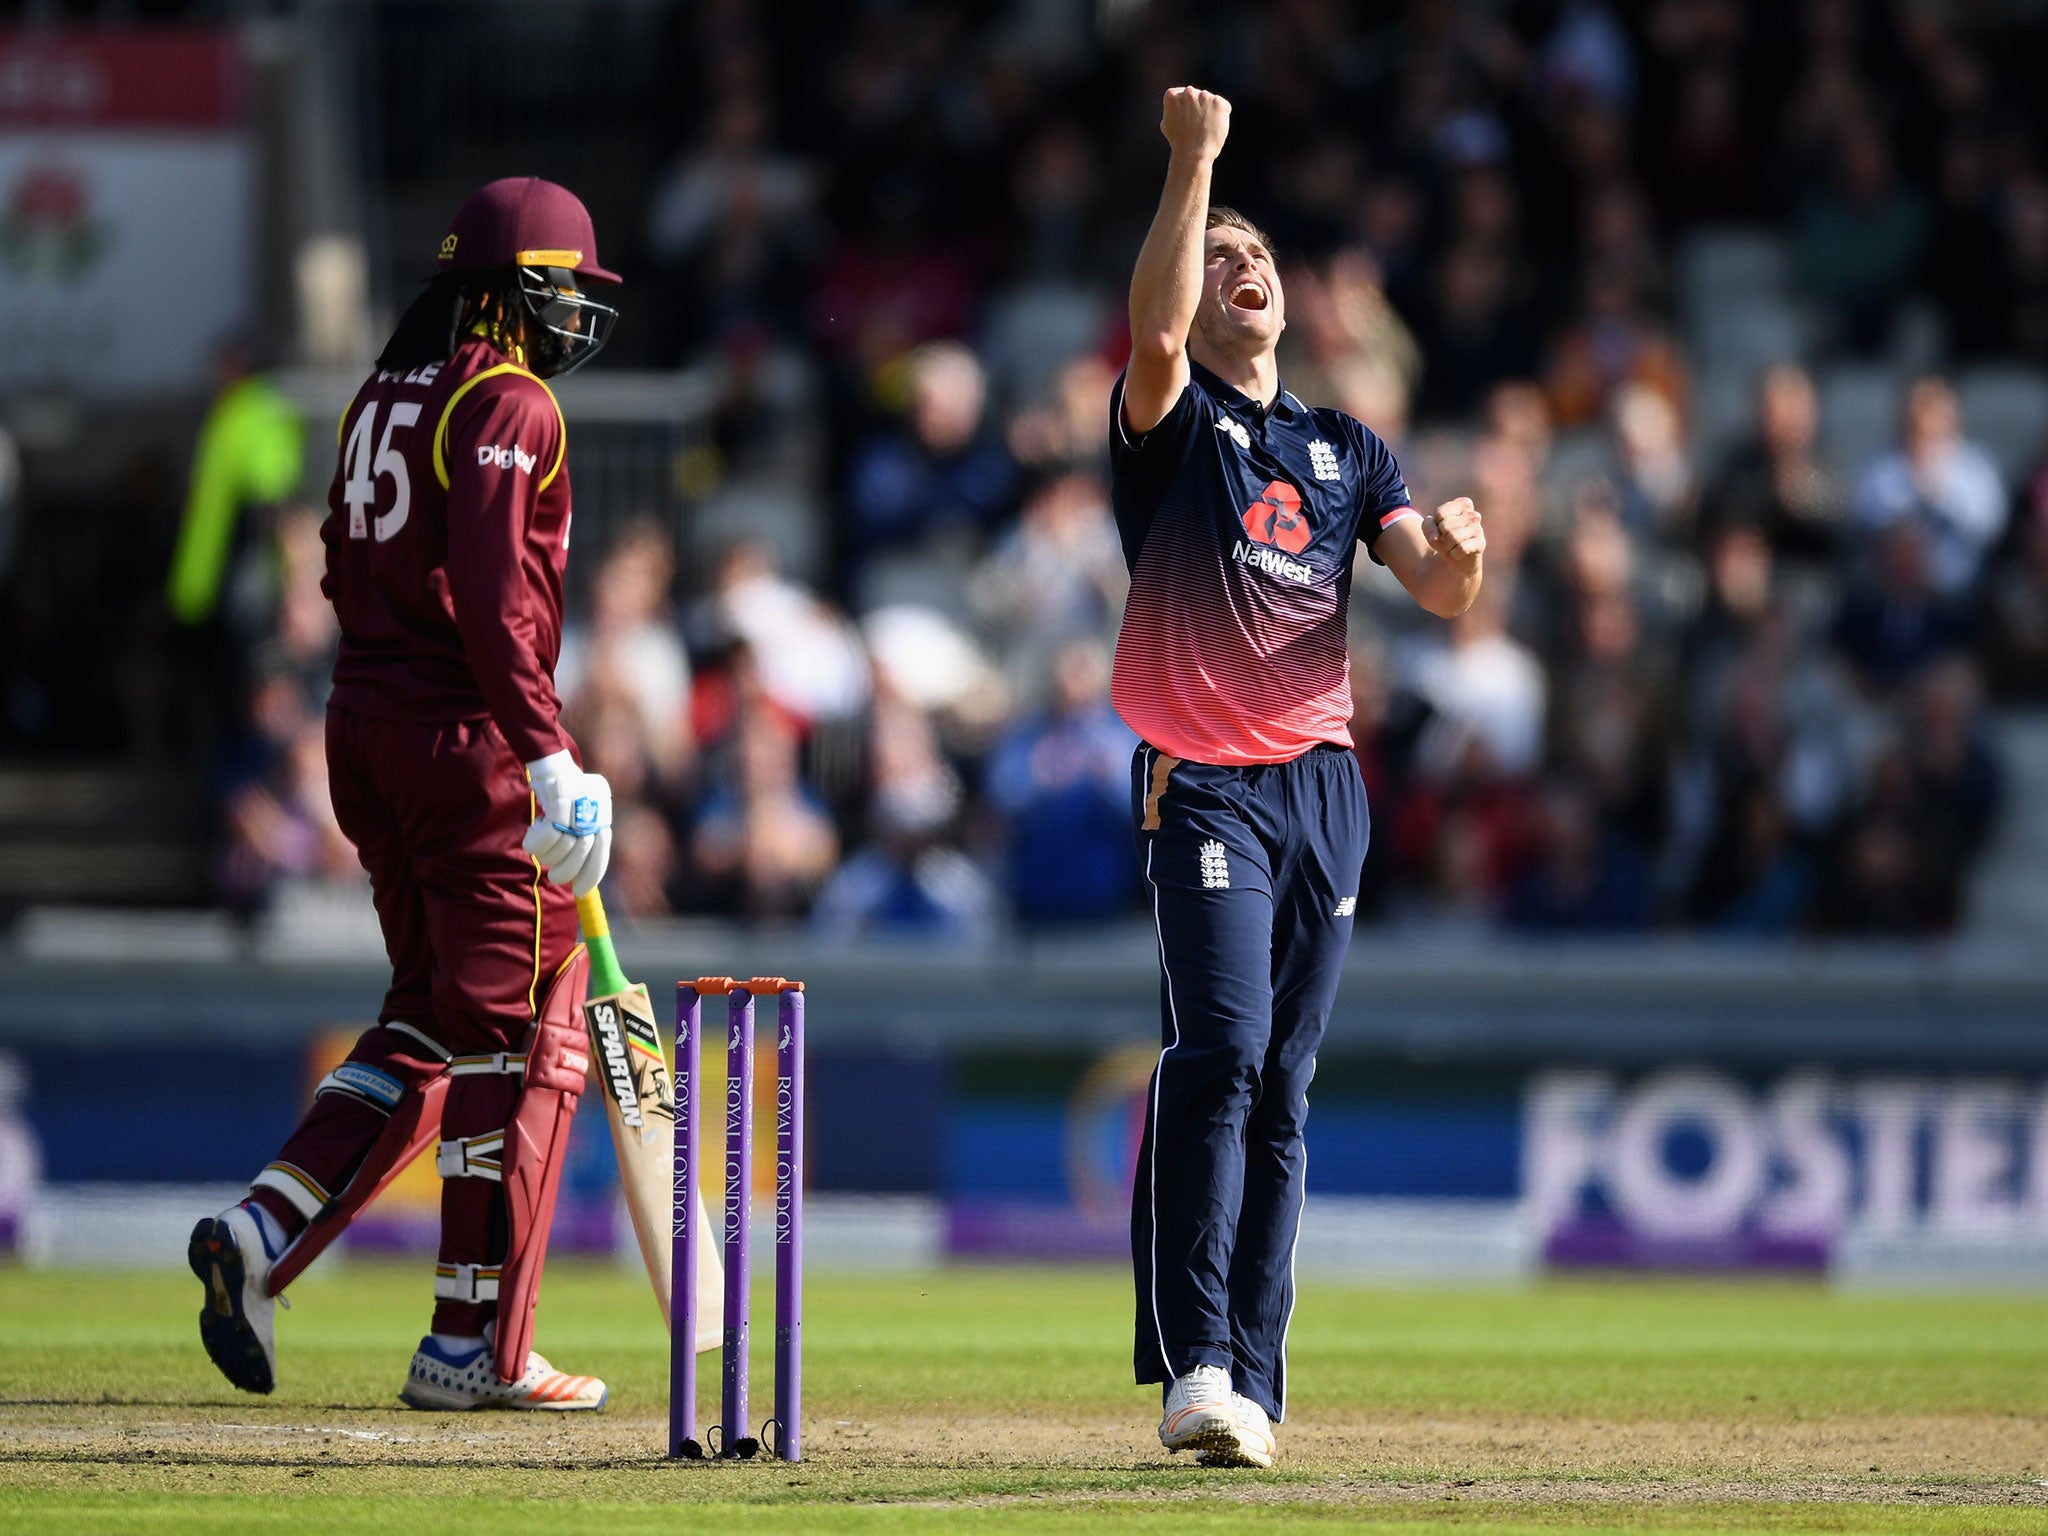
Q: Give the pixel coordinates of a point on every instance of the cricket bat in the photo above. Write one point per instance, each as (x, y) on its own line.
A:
(640, 1104)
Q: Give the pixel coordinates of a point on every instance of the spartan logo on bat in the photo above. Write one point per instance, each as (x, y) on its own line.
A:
(1276, 518)
(618, 1070)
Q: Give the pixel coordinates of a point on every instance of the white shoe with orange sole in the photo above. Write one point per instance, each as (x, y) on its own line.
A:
(445, 1383)
(1254, 1442)
(1199, 1415)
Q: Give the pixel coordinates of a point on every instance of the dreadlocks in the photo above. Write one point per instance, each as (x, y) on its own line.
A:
(450, 306)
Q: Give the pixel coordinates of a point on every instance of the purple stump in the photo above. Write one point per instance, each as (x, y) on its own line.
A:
(682, 1311)
(789, 1224)
(733, 1439)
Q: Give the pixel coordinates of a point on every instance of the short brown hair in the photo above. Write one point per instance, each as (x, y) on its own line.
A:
(1222, 217)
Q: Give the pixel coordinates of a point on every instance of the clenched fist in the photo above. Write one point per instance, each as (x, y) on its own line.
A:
(1455, 531)
(1195, 122)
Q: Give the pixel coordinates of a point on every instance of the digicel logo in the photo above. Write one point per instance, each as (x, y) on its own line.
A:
(1275, 518)
(515, 457)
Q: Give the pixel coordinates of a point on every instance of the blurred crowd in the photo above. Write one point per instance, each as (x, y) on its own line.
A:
(1696, 298)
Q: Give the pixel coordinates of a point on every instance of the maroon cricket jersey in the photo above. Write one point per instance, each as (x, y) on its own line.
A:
(1240, 524)
(447, 532)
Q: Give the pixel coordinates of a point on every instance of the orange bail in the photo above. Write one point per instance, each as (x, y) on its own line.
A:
(708, 985)
(768, 986)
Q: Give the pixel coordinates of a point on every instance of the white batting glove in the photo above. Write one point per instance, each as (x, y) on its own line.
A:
(572, 836)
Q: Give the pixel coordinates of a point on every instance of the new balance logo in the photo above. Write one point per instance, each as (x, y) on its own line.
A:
(1322, 458)
(1347, 906)
(514, 457)
(1215, 867)
(1235, 431)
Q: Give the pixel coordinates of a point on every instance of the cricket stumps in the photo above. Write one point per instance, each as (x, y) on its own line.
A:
(782, 1434)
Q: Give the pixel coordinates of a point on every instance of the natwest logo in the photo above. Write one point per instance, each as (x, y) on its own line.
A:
(514, 457)
(1275, 518)
(1272, 562)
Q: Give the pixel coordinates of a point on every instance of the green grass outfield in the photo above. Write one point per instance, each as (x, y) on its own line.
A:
(997, 1399)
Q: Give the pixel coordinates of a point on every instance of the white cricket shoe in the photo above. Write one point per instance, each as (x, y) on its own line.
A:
(441, 1382)
(238, 1323)
(1199, 1415)
(1254, 1446)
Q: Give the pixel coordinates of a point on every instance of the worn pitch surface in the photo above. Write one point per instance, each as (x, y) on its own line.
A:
(999, 1397)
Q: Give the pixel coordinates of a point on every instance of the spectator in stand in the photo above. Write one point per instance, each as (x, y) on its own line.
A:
(1957, 783)
(1383, 730)
(280, 822)
(1478, 331)
(1586, 877)
(1758, 877)
(1504, 474)
(2025, 260)
(1658, 491)
(937, 478)
(605, 716)
(1706, 160)
(1057, 575)
(1751, 873)
(1371, 392)
(1607, 727)
(1739, 594)
(629, 644)
(643, 868)
(1939, 480)
(1876, 878)
(1776, 482)
(220, 588)
(1933, 795)
(1518, 414)
(900, 276)
(1055, 186)
(933, 673)
(1338, 315)
(1062, 782)
(1614, 343)
(2015, 650)
(1895, 621)
(304, 635)
(729, 229)
(1486, 688)
(1462, 839)
(1394, 221)
(910, 881)
(801, 652)
(763, 843)
(1965, 268)
(1070, 430)
(1858, 244)
(1593, 559)
(1831, 93)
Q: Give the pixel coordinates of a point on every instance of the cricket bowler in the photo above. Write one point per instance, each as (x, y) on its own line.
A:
(1241, 511)
(447, 535)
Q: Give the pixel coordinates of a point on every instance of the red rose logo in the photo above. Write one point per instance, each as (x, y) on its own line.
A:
(1275, 518)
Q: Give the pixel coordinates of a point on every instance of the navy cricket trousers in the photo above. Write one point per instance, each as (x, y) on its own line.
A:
(1254, 873)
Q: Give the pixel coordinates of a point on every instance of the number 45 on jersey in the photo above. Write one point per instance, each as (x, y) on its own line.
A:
(359, 491)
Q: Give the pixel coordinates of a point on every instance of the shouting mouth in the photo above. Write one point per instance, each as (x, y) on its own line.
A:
(1248, 295)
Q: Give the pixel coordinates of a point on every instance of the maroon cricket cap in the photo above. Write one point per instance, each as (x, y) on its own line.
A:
(522, 221)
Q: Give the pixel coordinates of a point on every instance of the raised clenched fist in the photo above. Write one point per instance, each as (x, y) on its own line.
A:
(1456, 532)
(1195, 122)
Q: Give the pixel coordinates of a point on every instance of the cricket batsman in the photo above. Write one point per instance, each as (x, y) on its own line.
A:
(1241, 511)
(447, 535)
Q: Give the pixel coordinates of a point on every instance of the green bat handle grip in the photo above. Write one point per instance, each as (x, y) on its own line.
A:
(606, 977)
